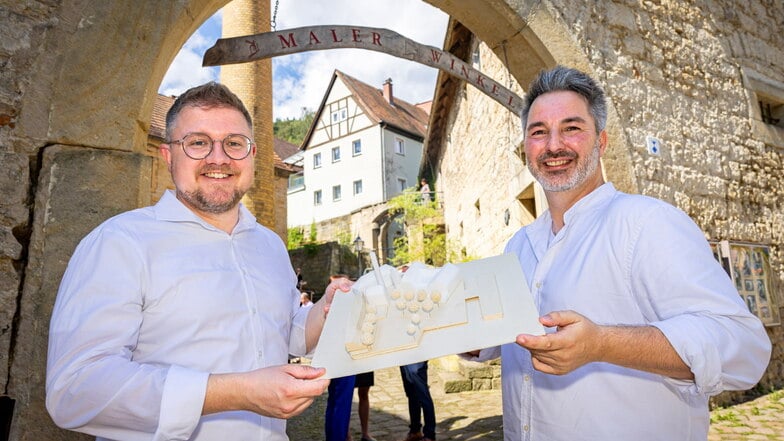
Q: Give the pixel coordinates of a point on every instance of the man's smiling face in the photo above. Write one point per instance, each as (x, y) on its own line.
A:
(561, 143)
(216, 183)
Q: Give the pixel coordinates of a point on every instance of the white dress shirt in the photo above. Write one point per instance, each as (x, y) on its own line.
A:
(624, 259)
(152, 302)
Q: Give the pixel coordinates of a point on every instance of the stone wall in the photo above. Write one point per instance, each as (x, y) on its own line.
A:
(677, 71)
(319, 262)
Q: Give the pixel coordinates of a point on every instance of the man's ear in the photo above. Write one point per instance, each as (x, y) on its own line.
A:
(602, 142)
(165, 150)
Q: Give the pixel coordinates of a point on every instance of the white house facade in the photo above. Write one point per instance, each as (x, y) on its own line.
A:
(363, 148)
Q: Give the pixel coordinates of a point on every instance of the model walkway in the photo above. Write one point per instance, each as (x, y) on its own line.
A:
(477, 415)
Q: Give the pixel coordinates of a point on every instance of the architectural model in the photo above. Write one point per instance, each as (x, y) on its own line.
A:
(392, 318)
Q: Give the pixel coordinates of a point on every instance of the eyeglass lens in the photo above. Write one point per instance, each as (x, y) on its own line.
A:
(199, 145)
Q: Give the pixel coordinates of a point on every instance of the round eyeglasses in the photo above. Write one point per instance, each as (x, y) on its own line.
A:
(199, 145)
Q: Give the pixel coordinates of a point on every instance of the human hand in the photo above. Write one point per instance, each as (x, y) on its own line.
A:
(575, 343)
(277, 391)
(340, 283)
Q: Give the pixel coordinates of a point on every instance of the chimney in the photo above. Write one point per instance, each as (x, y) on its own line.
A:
(388, 92)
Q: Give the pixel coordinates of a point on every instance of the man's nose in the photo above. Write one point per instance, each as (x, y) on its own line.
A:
(218, 155)
(553, 141)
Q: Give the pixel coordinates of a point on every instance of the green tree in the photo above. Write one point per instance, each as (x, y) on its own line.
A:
(293, 130)
(424, 239)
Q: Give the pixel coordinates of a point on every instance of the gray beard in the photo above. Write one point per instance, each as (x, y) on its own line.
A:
(579, 176)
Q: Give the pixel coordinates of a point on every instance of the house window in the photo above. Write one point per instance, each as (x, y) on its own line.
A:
(335, 154)
(317, 160)
(356, 147)
(336, 192)
(317, 197)
(358, 186)
(400, 146)
(766, 107)
(748, 265)
(401, 184)
(296, 181)
(339, 115)
(771, 112)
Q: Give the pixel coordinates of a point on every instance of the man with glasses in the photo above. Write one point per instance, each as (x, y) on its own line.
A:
(176, 321)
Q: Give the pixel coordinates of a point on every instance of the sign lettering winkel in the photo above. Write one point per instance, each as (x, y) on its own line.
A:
(312, 38)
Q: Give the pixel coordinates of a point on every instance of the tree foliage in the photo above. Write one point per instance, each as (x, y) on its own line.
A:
(293, 130)
(424, 239)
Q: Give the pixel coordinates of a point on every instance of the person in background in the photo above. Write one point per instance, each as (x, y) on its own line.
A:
(300, 280)
(337, 416)
(175, 321)
(643, 324)
(424, 191)
(363, 383)
(304, 299)
(420, 402)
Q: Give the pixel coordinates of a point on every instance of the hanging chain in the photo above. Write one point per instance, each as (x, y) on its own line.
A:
(273, 22)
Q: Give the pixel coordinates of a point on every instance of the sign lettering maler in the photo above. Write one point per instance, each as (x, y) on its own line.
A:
(312, 38)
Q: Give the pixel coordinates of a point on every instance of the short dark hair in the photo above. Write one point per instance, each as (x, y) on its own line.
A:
(208, 95)
(563, 78)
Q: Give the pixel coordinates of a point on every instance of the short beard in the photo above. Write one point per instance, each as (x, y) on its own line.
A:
(579, 176)
(198, 200)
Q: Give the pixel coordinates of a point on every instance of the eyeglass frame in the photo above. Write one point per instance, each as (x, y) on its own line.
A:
(250, 144)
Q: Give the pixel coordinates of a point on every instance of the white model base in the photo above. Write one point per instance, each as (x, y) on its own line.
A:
(391, 318)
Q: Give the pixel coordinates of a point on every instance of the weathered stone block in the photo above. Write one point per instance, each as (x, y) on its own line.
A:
(91, 186)
(481, 384)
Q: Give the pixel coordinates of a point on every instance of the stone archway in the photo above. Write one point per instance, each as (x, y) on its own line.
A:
(80, 123)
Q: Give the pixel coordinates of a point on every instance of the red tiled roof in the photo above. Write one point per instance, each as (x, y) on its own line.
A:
(403, 115)
(158, 120)
(284, 149)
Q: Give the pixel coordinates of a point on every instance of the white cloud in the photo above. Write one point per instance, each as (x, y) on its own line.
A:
(412, 82)
(300, 80)
(186, 70)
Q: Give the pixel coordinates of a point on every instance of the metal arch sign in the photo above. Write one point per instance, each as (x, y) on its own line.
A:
(312, 38)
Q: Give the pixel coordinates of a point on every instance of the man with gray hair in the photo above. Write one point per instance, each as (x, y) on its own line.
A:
(642, 323)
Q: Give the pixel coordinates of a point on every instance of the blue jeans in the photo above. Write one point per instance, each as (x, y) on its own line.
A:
(419, 400)
(338, 413)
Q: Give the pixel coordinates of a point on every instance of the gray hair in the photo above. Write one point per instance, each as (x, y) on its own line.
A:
(207, 95)
(563, 78)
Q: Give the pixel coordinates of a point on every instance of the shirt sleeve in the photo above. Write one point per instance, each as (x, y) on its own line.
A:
(685, 293)
(93, 384)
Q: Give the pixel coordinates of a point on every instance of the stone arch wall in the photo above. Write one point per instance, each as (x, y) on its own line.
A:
(74, 116)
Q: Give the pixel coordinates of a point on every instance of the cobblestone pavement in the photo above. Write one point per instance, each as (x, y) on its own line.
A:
(477, 415)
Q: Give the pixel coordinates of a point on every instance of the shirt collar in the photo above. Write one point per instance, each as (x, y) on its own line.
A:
(171, 209)
(539, 231)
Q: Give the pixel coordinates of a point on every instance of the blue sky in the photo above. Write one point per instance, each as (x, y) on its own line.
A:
(300, 80)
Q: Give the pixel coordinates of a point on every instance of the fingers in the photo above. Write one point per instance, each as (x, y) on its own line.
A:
(341, 284)
(534, 342)
(304, 372)
(559, 318)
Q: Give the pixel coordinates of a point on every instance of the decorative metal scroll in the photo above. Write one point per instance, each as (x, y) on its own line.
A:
(312, 38)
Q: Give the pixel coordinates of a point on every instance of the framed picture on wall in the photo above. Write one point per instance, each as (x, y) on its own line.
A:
(748, 265)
